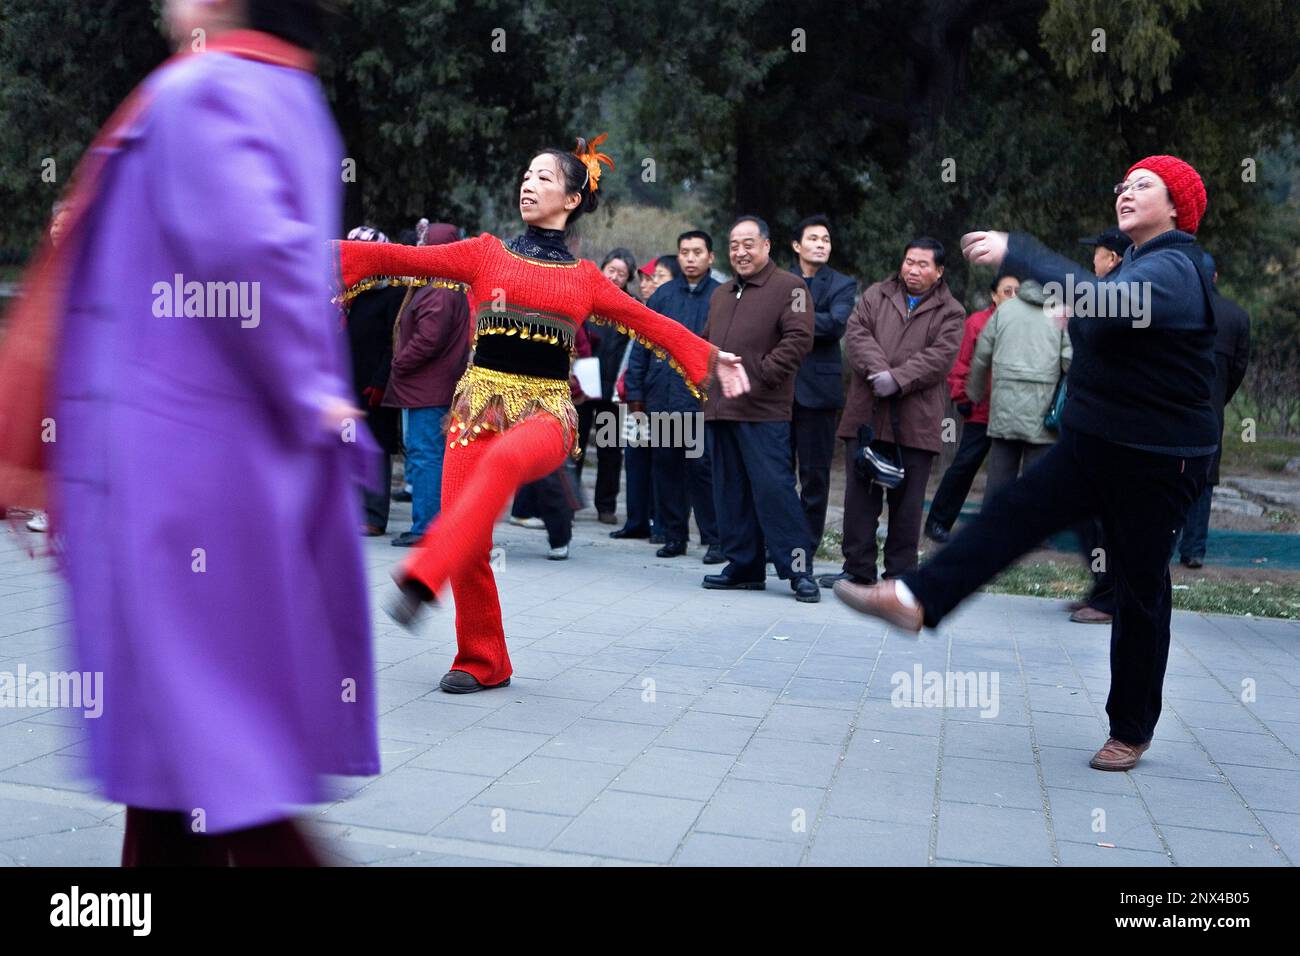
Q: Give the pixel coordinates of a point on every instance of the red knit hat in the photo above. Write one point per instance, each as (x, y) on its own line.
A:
(1185, 187)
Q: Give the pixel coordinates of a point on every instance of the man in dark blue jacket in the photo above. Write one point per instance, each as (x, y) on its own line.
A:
(819, 387)
(683, 474)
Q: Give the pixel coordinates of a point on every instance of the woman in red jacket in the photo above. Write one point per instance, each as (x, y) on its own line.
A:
(512, 418)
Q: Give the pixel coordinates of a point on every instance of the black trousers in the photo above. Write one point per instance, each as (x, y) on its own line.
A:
(1091, 539)
(812, 441)
(609, 458)
(755, 499)
(377, 503)
(680, 484)
(1142, 499)
(863, 503)
(955, 484)
(552, 499)
(164, 838)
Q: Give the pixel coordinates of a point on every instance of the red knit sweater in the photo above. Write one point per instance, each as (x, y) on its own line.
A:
(554, 293)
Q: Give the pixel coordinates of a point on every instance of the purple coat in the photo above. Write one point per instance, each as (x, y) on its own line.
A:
(210, 520)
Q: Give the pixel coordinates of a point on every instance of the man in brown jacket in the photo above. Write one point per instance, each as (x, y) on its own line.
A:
(766, 316)
(902, 339)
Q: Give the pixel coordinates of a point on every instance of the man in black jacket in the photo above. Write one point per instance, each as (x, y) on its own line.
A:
(1231, 357)
(819, 386)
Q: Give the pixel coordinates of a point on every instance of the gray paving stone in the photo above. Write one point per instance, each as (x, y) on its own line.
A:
(738, 700)
(410, 799)
(549, 785)
(713, 733)
(1195, 804)
(28, 818)
(634, 826)
(508, 827)
(1195, 847)
(850, 842)
(25, 740)
(892, 752)
(999, 835)
(767, 811)
(992, 782)
(1250, 750)
(988, 740)
(1090, 854)
(815, 724)
(533, 714)
(715, 849)
(602, 741)
(428, 720)
(483, 751)
(1077, 815)
(85, 846)
(859, 793)
(678, 679)
(667, 772)
(812, 692)
(800, 763)
(642, 706)
(1265, 788)
(773, 675)
(581, 683)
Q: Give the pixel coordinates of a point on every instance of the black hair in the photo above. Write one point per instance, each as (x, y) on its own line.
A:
(576, 179)
(926, 242)
(763, 230)
(808, 223)
(625, 255)
(407, 237)
(669, 262)
(301, 22)
(997, 279)
(696, 234)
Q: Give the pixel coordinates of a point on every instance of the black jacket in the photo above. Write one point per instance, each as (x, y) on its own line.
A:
(370, 337)
(820, 382)
(1231, 356)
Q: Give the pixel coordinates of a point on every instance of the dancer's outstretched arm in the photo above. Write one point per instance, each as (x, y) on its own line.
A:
(695, 359)
(359, 263)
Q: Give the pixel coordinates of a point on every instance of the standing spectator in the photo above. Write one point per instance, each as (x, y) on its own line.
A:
(642, 498)
(901, 341)
(430, 356)
(371, 317)
(749, 435)
(1024, 353)
(608, 345)
(974, 446)
(1099, 606)
(819, 386)
(682, 477)
(1231, 358)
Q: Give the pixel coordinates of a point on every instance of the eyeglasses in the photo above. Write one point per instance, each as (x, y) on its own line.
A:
(1138, 185)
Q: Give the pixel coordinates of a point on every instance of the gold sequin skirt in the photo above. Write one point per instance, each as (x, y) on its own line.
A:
(486, 400)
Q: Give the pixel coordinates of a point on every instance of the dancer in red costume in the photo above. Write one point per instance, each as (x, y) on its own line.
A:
(512, 419)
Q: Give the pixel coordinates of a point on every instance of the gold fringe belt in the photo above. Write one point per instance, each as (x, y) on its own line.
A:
(486, 400)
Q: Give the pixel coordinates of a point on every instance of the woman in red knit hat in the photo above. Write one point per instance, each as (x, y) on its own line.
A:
(512, 419)
(1137, 435)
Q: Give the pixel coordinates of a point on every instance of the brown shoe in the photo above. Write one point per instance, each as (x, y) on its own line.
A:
(1117, 755)
(880, 600)
(1090, 615)
(606, 517)
(1073, 606)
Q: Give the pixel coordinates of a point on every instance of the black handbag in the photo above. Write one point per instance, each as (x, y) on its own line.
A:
(870, 465)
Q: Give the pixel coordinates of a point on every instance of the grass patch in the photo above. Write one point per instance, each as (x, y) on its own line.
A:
(1070, 582)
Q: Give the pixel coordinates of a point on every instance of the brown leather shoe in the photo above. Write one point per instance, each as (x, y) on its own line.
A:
(1090, 615)
(1073, 606)
(1117, 755)
(879, 600)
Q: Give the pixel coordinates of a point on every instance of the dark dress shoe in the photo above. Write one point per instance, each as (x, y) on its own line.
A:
(1191, 563)
(828, 580)
(714, 555)
(412, 596)
(407, 539)
(462, 682)
(937, 534)
(626, 532)
(401, 496)
(806, 590)
(671, 549)
(658, 539)
(725, 582)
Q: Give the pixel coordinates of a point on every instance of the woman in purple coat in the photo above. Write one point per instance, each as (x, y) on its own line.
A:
(204, 474)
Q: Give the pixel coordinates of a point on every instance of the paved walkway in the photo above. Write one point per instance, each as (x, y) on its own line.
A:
(653, 722)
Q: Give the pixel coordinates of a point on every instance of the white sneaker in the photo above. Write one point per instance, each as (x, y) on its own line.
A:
(38, 522)
(528, 522)
(558, 554)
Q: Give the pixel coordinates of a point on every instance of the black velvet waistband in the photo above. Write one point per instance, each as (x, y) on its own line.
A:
(522, 357)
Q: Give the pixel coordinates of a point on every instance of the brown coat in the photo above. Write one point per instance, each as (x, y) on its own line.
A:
(771, 329)
(918, 352)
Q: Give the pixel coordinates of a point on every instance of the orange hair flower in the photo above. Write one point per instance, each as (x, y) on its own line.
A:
(592, 160)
